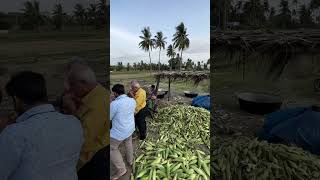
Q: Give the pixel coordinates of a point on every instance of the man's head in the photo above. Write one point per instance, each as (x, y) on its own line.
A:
(118, 90)
(135, 85)
(153, 87)
(75, 61)
(81, 80)
(27, 89)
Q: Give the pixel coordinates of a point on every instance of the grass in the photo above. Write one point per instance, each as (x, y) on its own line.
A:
(177, 87)
(295, 89)
(48, 53)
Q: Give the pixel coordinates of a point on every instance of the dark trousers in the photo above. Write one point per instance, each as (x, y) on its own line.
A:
(140, 120)
(98, 167)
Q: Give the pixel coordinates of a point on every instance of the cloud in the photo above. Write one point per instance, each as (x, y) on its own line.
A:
(124, 48)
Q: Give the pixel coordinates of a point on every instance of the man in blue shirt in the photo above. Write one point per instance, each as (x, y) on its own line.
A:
(122, 110)
(43, 144)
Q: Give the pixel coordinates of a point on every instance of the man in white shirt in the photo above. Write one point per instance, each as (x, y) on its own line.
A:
(43, 144)
(122, 110)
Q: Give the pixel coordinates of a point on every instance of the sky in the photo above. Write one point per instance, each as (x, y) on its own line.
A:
(45, 5)
(129, 17)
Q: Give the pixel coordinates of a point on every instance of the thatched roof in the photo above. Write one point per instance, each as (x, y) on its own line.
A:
(281, 46)
(196, 76)
(263, 40)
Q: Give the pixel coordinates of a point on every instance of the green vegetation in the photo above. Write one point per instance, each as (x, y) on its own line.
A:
(255, 14)
(177, 87)
(180, 42)
(48, 53)
(32, 17)
(147, 43)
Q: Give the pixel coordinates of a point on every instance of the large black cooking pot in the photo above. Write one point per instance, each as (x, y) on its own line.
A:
(259, 103)
(161, 95)
(190, 94)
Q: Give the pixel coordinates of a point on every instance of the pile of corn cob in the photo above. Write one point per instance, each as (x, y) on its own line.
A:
(188, 122)
(244, 158)
(172, 155)
(165, 159)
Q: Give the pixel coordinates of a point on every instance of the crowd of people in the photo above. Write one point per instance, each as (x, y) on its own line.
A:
(41, 141)
(127, 111)
(74, 137)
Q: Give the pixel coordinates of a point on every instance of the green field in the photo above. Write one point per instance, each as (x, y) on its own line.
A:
(48, 53)
(144, 77)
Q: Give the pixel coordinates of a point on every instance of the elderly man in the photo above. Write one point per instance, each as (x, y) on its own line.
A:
(88, 100)
(43, 143)
(122, 110)
(141, 109)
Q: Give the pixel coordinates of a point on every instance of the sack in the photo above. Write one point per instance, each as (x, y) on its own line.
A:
(202, 101)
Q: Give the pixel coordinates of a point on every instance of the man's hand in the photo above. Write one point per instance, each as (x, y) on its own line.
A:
(3, 122)
(68, 105)
(131, 94)
(112, 98)
(153, 97)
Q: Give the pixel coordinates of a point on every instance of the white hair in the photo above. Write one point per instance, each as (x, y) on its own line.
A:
(81, 73)
(135, 83)
(76, 60)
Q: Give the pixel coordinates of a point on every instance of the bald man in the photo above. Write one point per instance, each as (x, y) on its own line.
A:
(89, 101)
(141, 109)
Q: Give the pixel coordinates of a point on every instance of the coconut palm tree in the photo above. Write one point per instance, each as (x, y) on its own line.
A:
(170, 54)
(32, 14)
(147, 42)
(160, 43)
(80, 15)
(314, 4)
(102, 13)
(58, 16)
(92, 13)
(181, 40)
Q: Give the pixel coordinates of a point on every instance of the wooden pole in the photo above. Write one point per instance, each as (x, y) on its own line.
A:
(169, 91)
(244, 64)
(157, 86)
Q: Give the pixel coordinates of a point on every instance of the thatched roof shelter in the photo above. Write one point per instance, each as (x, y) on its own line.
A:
(281, 46)
(195, 76)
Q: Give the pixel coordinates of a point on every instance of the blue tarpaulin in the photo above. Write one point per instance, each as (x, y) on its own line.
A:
(202, 101)
(299, 126)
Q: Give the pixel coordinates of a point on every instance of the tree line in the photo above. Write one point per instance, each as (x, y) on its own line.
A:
(260, 14)
(180, 43)
(32, 18)
(189, 65)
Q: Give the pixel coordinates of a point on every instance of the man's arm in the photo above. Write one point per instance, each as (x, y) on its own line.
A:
(10, 152)
(140, 99)
(113, 110)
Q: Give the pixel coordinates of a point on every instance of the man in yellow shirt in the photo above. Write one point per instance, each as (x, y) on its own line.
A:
(141, 109)
(92, 110)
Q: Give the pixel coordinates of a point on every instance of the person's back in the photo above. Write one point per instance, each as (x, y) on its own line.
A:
(49, 144)
(123, 124)
(43, 143)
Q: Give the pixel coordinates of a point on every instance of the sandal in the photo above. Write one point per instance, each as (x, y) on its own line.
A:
(119, 174)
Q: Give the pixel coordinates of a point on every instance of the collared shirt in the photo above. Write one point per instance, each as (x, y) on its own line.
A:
(122, 117)
(42, 145)
(93, 114)
(141, 99)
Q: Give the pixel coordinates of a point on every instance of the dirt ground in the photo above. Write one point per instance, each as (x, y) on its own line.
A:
(231, 121)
